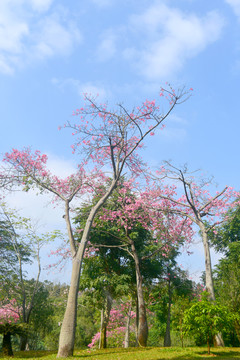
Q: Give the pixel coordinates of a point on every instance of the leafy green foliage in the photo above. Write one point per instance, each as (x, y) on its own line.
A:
(206, 319)
(228, 232)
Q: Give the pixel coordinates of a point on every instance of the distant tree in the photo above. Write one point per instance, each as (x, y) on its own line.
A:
(22, 239)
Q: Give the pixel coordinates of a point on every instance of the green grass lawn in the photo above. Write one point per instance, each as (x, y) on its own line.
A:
(138, 354)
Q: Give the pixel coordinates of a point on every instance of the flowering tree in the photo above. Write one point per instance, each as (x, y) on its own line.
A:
(138, 228)
(200, 207)
(119, 327)
(9, 325)
(104, 138)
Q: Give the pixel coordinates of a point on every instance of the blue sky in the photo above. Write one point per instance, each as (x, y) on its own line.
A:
(51, 51)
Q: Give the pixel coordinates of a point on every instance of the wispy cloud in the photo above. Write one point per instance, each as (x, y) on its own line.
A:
(83, 88)
(102, 3)
(31, 30)
(235, 4)
(107, 46)
(169, 37)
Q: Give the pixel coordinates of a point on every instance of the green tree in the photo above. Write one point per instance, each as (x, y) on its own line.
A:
(206, 319)
(24, 243)
(227, 282)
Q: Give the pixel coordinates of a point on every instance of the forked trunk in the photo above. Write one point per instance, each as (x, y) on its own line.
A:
(67, 335)
(142, 334)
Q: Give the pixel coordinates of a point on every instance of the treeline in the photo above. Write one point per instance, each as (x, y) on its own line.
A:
(108, 306)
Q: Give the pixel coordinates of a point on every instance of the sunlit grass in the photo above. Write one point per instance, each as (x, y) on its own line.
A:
(138, 354)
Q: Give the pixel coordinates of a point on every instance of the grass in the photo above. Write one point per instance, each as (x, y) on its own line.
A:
(189, 353)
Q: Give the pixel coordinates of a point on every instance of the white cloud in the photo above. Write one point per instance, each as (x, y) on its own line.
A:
(41, 5)
(107, 46)
(235, 4)
(81, 88)
(54, 38)
(27, 33)
(169, 38)
(102, 3)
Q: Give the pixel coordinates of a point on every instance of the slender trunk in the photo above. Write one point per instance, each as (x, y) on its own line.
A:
(67, 334)
(23, 342)
(208, 345)
(136, 321)
(218, 339)
(237, 329)
(142, 334)
(105, 313)
(127, 333)
(167, 337)
(103, 333)
(7, 345)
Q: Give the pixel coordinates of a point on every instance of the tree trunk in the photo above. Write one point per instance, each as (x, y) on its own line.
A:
(103, 333)
(23, 342)
(142, 334)
(7, 345)
(208, 345)
(127, 333)
(167, 337)
(105, 313)
(208, 265)
(67, 334)
(218, 339)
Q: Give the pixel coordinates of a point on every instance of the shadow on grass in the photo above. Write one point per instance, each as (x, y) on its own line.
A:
(139, 354)
(33, 354)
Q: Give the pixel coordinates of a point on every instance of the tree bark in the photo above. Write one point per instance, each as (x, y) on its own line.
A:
(105, 313)
(127, 333)
(7, 345)
(167, 337)
(142, 334)
(208, 265)
(67, 334)
(23, 342)
(218, 339)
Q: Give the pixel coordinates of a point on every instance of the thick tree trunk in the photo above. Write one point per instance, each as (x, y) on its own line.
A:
(67, 335)
(208, 265)
(167, 337)
(105, 313)
(7, 345)
(142, 334)
(218, 339)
